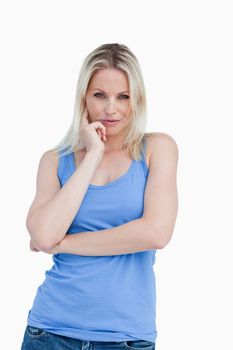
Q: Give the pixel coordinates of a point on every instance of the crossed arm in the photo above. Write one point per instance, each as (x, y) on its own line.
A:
(134, 236)
(154, 229)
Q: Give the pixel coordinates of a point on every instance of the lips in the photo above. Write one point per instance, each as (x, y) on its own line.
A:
(109, 120)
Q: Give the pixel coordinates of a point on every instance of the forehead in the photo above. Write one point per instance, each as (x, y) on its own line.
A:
(109, 79)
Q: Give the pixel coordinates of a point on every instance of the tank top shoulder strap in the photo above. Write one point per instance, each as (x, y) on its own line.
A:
(62, 165)
(143, 157)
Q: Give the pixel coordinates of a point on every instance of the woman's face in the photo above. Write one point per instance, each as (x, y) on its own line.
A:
(108, 97)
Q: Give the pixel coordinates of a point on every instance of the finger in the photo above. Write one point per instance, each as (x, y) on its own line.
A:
(99, 125)
(85, 121)
(99, 133)
(103, 138)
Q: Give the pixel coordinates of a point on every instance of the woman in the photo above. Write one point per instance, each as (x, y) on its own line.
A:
(106, 200)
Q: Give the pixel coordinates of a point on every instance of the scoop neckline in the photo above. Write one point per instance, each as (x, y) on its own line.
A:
(111, 183)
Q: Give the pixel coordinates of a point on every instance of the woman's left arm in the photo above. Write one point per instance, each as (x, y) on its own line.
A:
(131, 237)
(161, 197)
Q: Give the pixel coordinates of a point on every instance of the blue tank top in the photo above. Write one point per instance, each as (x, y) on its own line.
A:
(101, 298)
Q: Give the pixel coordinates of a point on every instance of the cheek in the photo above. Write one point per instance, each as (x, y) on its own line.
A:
(93, 105)
(128, 111)
(125, 108)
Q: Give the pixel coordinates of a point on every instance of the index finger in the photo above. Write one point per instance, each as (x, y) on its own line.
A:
(85, 121)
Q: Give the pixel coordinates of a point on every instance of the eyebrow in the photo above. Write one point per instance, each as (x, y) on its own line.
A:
(104, 91)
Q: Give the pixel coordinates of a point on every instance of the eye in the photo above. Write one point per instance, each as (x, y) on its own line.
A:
(98, 93)
(126, 96)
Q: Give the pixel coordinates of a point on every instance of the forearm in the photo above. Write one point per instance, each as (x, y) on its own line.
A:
(134, 236)
(49, 223)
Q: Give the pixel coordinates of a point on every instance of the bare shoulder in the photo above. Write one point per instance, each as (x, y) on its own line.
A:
(48, 165)
(50, 156)
(47, 182)
(160, 144)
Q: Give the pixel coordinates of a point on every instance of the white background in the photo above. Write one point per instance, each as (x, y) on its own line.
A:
(185, 52)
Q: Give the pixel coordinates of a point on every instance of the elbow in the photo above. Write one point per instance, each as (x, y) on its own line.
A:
(40, 239)
(44, 246)
(161, 238)
(159, 244)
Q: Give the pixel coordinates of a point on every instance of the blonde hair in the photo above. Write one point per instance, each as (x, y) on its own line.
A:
(120, 57)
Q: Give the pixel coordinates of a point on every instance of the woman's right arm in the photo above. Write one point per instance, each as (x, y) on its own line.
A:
(54, 208)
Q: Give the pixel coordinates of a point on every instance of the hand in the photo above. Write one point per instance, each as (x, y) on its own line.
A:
(92, 133)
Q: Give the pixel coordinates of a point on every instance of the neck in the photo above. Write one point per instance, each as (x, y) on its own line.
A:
(114, 143)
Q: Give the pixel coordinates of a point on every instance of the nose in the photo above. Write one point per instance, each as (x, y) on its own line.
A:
(110, 107)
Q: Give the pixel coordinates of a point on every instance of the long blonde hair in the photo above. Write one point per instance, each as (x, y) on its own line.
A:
(120, 57)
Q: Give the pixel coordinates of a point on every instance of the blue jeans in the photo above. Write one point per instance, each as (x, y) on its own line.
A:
(39, 339)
